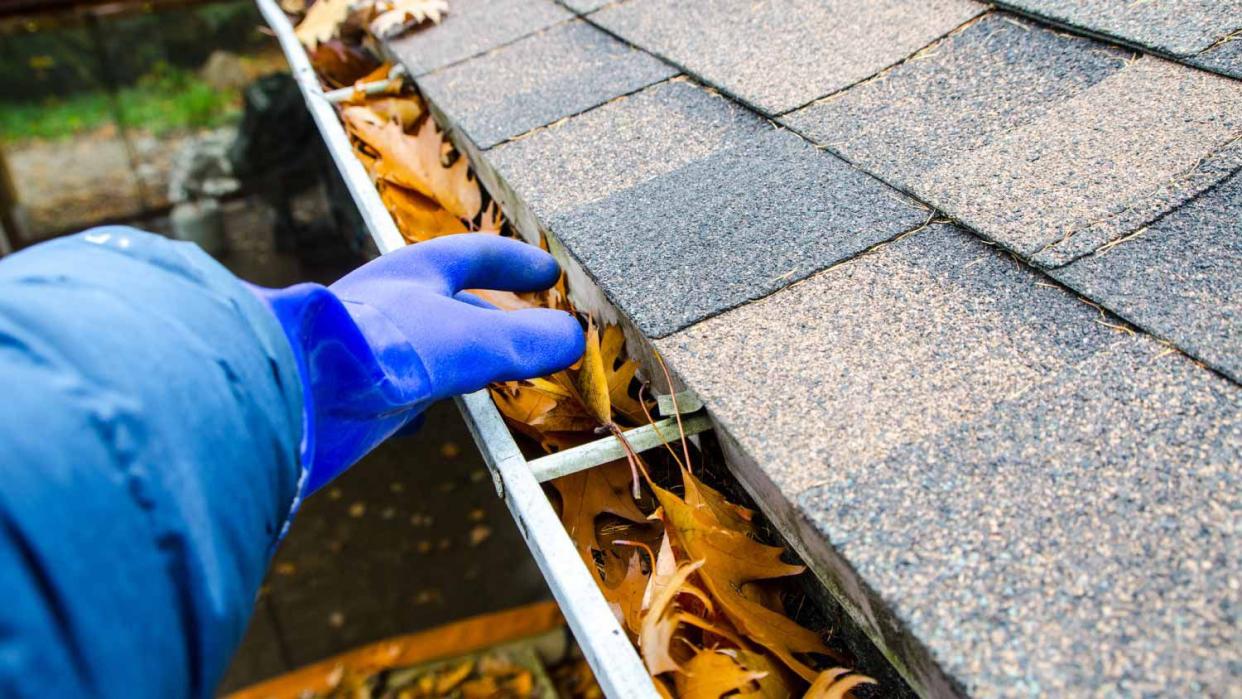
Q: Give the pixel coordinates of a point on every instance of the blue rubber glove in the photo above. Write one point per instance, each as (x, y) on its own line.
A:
(399, 333)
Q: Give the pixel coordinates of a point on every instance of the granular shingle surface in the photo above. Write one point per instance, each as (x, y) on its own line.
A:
(1181, 277)
(1023, 486)
(994, 75)
(780, 54)
(620, 145)
(1107, 149)
(1179, 27)
(1225, 57)
(720, 207)
(728, 228)
(1078, 540)
(551, 74)
(1030, 136)
(472, 27)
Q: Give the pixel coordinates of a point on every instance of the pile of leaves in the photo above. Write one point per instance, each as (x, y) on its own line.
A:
(682, 567)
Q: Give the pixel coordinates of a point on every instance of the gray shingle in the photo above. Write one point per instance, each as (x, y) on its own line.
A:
(1181, 277)
(1110, 149)
(471, 27)
(996, 74)
(1042, 500)
(1032, 137)
(620, 145)
(779, 54)
(751, 210)
(1178, 27)
(1225, 57)
(552, 74)
(734, 226)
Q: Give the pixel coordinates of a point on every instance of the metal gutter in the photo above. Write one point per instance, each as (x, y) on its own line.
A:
(618, 669)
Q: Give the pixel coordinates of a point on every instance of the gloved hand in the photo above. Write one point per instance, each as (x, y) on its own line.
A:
(387, 340)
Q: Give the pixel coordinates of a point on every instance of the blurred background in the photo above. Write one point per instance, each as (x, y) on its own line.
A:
(179, 117)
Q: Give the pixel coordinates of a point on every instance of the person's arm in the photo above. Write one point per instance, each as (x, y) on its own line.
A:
(159, 420)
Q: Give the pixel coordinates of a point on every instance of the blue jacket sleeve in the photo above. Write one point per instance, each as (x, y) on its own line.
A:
(150, 420)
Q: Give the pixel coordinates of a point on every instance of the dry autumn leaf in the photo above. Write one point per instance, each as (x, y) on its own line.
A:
(592, 382)
(322, 21)
(731, 560)
(835, 684)
(712, 674)
(396, 16)
(418, 218)
(658, 626)
(413, 161)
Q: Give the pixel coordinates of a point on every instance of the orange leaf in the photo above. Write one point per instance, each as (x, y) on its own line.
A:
(413, 161)
(418, 218)
(712, 674)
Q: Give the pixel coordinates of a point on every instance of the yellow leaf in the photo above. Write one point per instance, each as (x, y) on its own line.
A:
(322, 22)
(712, 674)
(586, 495)
(592, 382)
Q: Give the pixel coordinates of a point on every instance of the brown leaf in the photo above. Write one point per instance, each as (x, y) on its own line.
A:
(585, 496)
(341, 65)
(730, 560)
(592, 381)
(620, 374)
(728, 515)
(413, 161)
(626, 598)
(661, 621)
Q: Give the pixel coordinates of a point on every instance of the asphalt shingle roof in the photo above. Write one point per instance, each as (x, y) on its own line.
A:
(1011, 447)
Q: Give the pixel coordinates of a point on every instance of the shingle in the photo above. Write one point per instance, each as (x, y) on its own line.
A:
(1225, 57)
(734, 226)
(472, 27)
(1178, 27)
(1031, 136)
(552, 74)
(1181, 277)
(1042, 500)
(620, 145)
(1080, 540)
(996, 74)
(779, 54)
(750, 210)
(1109, 149)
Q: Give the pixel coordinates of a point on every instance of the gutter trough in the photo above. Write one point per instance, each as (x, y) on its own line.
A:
(617, 666)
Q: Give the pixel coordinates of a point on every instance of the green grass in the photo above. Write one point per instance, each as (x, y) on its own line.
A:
(167, 99)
